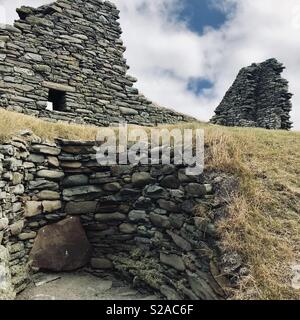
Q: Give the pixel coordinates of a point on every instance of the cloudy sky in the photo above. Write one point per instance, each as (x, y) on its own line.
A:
(186, 53)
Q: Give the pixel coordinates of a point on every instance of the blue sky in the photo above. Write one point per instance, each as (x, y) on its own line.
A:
(199, 14)
(187, 53)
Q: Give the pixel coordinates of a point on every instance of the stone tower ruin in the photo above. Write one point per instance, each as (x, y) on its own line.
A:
(64, 61)
(259, 97)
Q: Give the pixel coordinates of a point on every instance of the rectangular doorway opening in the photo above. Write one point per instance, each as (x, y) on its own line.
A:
(56, 100)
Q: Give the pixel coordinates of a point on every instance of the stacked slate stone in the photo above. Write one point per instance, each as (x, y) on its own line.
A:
(259, 97)
(152, 225)
(71, 52)
(14, 174)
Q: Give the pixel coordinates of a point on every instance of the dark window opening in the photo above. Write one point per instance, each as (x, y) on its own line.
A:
(57, 100)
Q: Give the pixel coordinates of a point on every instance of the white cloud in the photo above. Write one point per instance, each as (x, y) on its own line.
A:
(257, 31)
(164, 54)
(8, 8)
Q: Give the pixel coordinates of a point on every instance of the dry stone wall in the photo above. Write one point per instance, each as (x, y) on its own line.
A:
(259, 97)
(152, 225)
(14, 175)
(70, 53)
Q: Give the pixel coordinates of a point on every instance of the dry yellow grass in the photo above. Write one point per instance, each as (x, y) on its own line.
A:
(263, 223)
(11, 123)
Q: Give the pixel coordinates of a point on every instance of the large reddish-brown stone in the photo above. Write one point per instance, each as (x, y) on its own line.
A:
(62, 246)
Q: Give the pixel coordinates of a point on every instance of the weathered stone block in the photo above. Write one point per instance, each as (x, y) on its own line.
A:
(50, 174)
(200, 286)
(128, 111)
(106, 217)
(127, 228)
(155, 192)
(138, 216)
(172, 260)
(75, 180)
(53, 161)
(51, 206)
(17, 228)
(141, 179)
(160, 221)
(81, 207)
(170, 182)
(180, 242)
(17, 178)
(78, 193)
(61, 247)
(48, 195)
(112, 187)
(33, 208)
(43, 185)
(33, 57)
(27, 235)
(59, 87)
(168, 205)
(197, 190)
(44, 149)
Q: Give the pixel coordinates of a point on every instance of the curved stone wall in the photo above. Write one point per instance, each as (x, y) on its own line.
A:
(152, 225)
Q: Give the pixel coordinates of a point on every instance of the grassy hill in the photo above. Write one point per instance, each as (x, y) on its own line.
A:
(263, 220)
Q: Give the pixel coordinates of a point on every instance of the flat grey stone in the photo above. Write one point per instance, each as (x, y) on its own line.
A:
(141, 179)
(50, 174)
(106, 217)
(173, 261)
(138, 216)
(160, 221)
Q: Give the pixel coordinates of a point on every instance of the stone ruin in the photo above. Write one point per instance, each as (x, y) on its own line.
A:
(151, 225)
(64, 61)
(259, 97)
